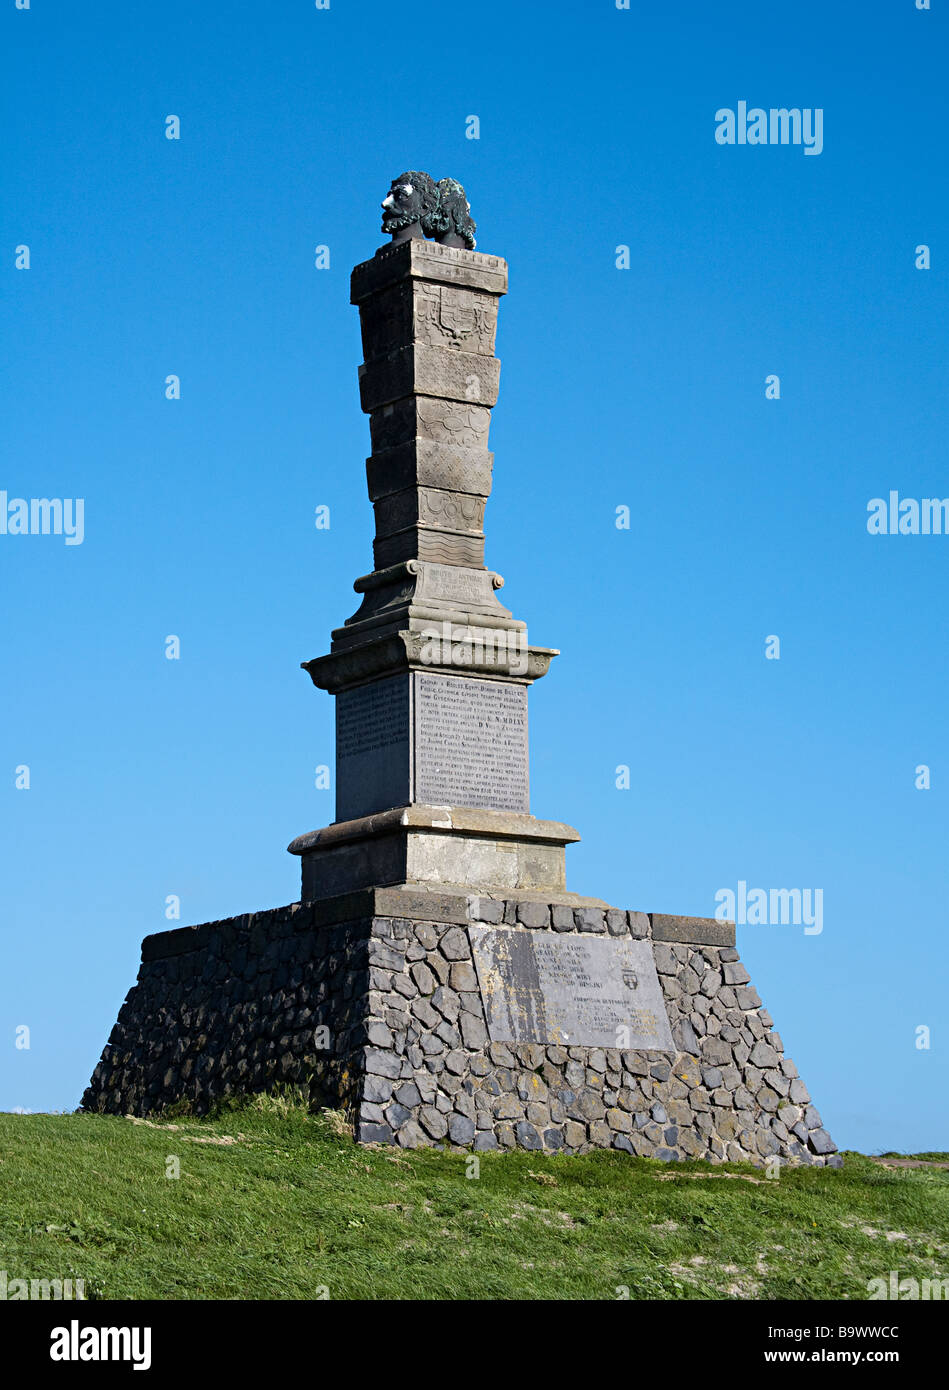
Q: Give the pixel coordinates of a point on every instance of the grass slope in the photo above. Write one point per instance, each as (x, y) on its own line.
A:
(273, 1203)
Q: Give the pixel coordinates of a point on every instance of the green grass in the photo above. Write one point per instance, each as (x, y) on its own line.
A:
(274, 1202)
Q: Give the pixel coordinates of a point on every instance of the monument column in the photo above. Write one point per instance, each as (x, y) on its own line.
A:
(431, 673)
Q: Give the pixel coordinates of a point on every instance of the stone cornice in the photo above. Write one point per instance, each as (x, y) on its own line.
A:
(403, 651)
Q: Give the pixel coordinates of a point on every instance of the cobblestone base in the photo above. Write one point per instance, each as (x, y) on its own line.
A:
(382, 1017)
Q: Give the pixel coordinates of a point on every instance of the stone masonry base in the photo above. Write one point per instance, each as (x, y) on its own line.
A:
(371, 1003)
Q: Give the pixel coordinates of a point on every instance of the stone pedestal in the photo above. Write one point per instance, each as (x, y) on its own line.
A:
(478, 1022)
(439, 847)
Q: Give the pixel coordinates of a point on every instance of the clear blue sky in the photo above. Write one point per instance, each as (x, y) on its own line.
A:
(643, 387)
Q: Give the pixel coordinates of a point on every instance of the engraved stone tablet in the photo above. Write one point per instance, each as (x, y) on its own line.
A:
(372, 747)
(471, 743)
(578, 991)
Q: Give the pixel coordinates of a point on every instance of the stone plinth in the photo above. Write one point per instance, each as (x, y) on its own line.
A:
(433, 738)
(436, 846)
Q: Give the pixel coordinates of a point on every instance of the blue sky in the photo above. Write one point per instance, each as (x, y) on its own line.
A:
(642, 387)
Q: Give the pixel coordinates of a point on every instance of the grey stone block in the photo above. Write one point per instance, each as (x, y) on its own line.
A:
(692, 930)
(408, 1095)
(535, 915)
(763, 1055)
(665, 958)
(748, 997)
(433, 1122)
(527, 1136)
(381, 1063)
(562, 918)
(715, 1052)
(589, 919)
(735, 973)
(423, 977)
(373, 1134)
(463, 977)
(488, 910)
(639, 925)
(377, 1088)
(683, 1035)
(454, 945)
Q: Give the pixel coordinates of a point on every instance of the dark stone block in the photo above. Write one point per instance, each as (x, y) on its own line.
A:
(461, 1130)
(408, 1095)
(527, 1136)
(373, 1134)
(591, 919)
(699, 931)
(562, 918)
(821, 1142)
(488, 910)
(535, 915)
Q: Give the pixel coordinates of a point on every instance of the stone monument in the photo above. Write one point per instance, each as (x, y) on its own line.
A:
(437, 981)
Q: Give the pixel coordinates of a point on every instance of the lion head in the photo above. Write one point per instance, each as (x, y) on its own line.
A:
(452, 224)
(412, 197)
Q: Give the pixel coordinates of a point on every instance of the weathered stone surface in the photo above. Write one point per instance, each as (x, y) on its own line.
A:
(564, 989)
(562, 917)
(589, 919)
(616, 923)
(487, 910)
(423, 977)
(454, 945)
(699, 930)
(527, 1136)
(531, 914)
(382, 1063)
(735, 973)
(763, 1055)
(373, 1134)
(463, 977)
(377, 1088)
(461, 1129)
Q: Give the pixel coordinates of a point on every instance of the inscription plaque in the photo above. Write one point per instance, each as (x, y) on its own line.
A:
(578, 991)
(471, 743)
(372, 748)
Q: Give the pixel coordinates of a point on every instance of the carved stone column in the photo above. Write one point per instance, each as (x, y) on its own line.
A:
(431, 673)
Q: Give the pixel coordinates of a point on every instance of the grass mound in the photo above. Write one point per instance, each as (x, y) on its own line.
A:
(264, 1200)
